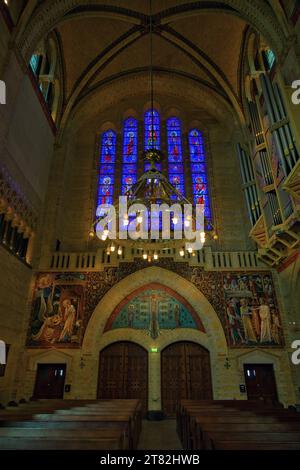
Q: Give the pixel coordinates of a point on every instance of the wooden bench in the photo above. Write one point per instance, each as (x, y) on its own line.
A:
(202, 424)
(115, 423)
(118, 434)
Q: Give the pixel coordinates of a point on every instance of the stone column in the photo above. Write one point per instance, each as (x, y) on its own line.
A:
(154, 386)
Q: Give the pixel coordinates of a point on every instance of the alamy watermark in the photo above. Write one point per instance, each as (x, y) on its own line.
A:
(296, 353)
(296, 94)
(159, 221)
(2, 92)
(2, 353)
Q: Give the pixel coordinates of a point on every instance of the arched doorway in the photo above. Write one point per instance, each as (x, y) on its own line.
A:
(185, 373)
(123, 372)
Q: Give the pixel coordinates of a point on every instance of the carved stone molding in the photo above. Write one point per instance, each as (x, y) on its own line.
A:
(15, 205)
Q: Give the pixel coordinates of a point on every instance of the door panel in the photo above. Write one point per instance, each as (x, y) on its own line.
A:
(123, 372)
(50, 381)
(260, 382)
(185, 374)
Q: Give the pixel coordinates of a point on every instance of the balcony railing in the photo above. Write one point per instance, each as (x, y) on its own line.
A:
(207, 259)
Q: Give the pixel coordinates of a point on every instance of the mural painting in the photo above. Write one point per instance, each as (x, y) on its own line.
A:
(245, 303)
(252, 315)
(154, 309)
(57, 311)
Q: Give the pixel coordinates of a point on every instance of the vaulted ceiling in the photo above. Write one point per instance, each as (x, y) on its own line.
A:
(185, 46)
(100, 46)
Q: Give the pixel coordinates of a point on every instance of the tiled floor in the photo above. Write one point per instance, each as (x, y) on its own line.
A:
(159, 435)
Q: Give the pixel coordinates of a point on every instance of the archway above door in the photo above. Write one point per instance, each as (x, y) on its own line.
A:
(154, 307)
(214, 333)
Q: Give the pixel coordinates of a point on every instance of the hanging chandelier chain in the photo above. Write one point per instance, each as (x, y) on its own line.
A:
(151, 71)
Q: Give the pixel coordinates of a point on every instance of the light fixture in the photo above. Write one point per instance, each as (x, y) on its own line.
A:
(120, 251)
(190, 250)
(153, 188)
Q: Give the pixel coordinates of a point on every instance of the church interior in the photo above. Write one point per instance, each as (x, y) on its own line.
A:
(149, 343)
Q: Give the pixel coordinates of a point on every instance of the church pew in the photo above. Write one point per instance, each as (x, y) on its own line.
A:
(211, 437)
(187, 419)
(193, 433)
(197, 441)
(255, 445)
(120, 433)
(104, 414)
(12, 443)
(191, 411)
(79, 420)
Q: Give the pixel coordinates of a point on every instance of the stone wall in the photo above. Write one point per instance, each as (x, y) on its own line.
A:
(15, 284)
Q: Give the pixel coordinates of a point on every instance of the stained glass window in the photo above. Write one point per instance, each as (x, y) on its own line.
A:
(176, 170)
(130, 154)
(271, 58)
(35, 63)
(199, 173)
(107, 167)
(152, 133)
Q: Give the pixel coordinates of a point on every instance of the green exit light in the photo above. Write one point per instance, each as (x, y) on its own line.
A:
(154, 350)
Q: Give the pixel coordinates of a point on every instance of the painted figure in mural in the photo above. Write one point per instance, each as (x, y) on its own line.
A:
(56, 317)
(256, 318)
(131, 312)
(265, 317)
(46, 321)
(234, 324)
(246, 319)
(153, 311)
(50, 330)
(276, 327)
(69, 318)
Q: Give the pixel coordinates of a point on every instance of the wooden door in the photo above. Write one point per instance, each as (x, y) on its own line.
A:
(50, 381)
(123, 372)
(260, 382)
(185, 374)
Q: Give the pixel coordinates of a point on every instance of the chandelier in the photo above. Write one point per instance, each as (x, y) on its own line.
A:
(153, 215)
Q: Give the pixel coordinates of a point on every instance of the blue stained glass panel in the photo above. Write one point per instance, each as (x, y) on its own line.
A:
(106, 180)
(106, 190)
(107, 167)
(148, 166)
(105, 200)
(175, 168)
(130, 153)
(176, 179)
(174, 140)
(199, 173)
(198, 168)
(128, 179)
(108, 153)
(129, 169)
(199, 178)
(152, 130)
